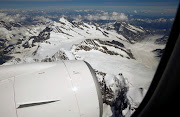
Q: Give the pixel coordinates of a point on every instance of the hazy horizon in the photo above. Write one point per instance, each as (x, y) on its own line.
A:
(140, 7)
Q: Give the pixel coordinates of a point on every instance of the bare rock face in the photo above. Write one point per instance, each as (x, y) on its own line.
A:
(132, 33)
(60, 55)
(102, 46)
(113, 93)
(158, 52)
(162, 40)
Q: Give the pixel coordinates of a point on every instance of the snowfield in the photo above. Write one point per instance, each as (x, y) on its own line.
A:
(124, 70)
(143, 51)
(137, 76)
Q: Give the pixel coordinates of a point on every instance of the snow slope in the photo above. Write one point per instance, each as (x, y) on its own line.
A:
(142, 51)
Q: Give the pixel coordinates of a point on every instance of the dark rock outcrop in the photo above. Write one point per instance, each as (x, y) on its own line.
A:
(158, 52)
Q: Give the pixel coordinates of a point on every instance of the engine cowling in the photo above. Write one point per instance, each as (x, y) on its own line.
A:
(60, 89)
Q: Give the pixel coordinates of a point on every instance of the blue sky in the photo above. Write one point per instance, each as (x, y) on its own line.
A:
(150, 6)
(27, 3)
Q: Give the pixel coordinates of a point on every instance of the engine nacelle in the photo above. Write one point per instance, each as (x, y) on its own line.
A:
(60, 89)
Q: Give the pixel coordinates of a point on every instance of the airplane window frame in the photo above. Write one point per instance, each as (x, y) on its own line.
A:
(147, 106)
(153, 102)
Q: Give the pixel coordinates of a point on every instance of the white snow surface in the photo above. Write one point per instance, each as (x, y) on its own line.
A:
(135, 29)
(138, 75)
(107, 111)
(142, 51)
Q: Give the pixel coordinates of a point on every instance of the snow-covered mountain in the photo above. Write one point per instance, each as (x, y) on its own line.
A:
(124, 66)
(132, 33)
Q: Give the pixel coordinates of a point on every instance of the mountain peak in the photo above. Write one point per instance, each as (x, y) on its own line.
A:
(63, 19)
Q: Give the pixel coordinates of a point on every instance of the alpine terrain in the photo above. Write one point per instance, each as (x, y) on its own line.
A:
(123, 55)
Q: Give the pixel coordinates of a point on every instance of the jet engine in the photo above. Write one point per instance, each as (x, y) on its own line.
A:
(57, 89)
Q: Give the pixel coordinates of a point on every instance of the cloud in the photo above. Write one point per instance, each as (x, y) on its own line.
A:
(105, 13)
(42, 19)
(77, 18)
(93, 17)
(118, 16)
(104, 16)
(78, 10)
(135, 11)
(114, 13)
(12, 18)
(2, 15)
(123, 17)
